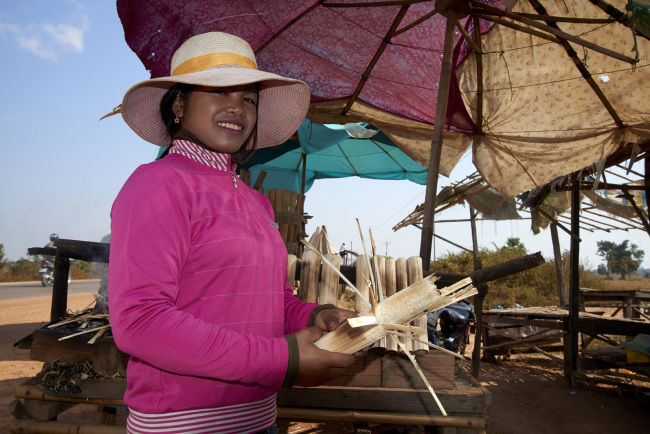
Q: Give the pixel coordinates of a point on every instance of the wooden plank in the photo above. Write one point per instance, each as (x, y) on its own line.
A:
(104, 355)
(398, 371)
(462, 398)
(365, 372)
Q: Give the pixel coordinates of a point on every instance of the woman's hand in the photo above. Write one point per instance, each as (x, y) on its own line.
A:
(330, 319)
(317, 366)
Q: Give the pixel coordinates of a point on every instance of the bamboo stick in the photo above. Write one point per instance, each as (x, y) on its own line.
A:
(414, 301)
(424, 378)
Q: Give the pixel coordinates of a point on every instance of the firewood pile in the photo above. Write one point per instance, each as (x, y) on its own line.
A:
(62, 377)
(92, 321)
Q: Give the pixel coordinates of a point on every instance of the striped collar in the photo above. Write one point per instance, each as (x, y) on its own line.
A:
(191, 150)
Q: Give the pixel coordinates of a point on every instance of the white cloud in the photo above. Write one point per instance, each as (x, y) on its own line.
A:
(49, 40)
(67, 35)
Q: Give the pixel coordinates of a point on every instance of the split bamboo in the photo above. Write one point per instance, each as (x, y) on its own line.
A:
(414, 301)
(329, 285)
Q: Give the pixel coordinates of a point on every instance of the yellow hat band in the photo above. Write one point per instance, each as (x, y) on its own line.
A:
(205, 61)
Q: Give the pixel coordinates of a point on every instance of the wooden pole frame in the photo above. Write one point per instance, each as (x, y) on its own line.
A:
(436, 142)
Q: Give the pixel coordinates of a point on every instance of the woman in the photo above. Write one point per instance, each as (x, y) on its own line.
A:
(198, 295)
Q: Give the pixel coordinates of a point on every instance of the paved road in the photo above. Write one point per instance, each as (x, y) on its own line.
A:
(13, 291)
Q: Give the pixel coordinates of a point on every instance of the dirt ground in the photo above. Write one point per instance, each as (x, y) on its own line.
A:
(529, 393)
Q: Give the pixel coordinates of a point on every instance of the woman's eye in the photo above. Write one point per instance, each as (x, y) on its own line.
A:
(251, 100)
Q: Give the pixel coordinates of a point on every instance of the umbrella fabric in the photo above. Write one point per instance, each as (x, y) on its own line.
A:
(330, 152)
(541, 117)
(381, 64)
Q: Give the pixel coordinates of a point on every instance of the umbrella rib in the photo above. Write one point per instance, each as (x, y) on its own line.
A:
(398, 19)
(485, 8)
(422, 19)
(348, 160)
(375, 4)
(288, 25)
(583, 70)
(389, 156)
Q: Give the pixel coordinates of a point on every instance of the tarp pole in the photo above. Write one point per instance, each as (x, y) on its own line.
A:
(436, 142)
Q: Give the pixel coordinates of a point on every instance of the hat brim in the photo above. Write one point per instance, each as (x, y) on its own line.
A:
(282, 105)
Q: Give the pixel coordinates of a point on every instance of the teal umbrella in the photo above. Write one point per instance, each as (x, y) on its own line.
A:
(332, 151)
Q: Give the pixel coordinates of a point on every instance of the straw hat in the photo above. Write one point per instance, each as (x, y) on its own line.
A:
(218, 59)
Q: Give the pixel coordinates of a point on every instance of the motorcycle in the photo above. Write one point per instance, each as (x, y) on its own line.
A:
(47, 273)
(455, 323)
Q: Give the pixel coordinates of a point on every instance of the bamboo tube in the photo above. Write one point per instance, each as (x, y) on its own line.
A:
(391, 287)
(309, 274)
(415, 274)
(405, 306)
(401, 282)
(383, 417)
(329, 284)
(380, 277)
(292, 262)
(363, 273)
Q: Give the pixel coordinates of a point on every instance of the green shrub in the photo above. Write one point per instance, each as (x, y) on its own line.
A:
(534, 287)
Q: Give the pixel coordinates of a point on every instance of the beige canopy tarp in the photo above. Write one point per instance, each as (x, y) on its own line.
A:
(541, 118)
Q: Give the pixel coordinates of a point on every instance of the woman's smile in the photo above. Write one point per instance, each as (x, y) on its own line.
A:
(221, 118)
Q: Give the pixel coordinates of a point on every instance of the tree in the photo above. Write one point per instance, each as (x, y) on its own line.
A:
(3, 259)
(515, 244)
(620, 258)
(605, 249)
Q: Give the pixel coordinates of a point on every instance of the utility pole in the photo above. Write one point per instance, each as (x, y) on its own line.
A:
(386, 243)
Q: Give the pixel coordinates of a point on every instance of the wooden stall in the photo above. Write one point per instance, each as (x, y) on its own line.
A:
(382, 388)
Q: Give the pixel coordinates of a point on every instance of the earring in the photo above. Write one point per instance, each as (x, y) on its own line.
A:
(177, 120)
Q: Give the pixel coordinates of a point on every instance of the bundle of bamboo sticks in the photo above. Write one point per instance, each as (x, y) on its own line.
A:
(393, 312)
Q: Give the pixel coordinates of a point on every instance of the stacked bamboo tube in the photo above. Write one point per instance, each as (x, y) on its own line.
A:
(399, 306)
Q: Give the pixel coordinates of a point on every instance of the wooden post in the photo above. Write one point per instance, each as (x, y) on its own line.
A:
(60, 288)
(478, 301)
(436, 141)
(415, 274)
(329, 285)
(647, 184)
(391, 288)
(559, 267)
(363, 273)
(571, 337)
(309, 274)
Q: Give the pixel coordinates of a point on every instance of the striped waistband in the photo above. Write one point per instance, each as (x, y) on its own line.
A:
(241, 418)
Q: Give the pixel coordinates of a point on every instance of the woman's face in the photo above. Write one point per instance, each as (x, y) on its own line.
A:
(222, 118)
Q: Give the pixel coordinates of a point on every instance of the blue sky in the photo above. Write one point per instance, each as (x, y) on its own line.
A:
(66, 64)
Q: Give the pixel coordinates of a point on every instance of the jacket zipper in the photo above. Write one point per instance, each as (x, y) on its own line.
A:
(234, 181)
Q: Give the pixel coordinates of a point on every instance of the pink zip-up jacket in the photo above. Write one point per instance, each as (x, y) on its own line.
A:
(197, 288)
